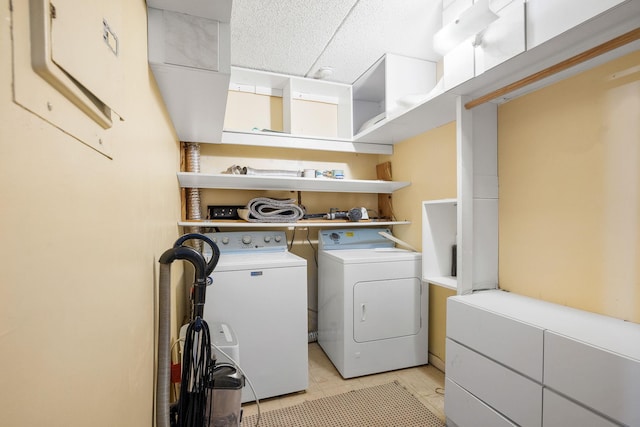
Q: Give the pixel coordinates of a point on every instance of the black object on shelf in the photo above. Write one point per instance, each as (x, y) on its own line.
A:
(454, 260)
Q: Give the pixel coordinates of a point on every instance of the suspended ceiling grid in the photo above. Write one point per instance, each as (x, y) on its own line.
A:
(296, 37)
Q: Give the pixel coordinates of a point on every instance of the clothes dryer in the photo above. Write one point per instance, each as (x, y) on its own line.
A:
(372, 304)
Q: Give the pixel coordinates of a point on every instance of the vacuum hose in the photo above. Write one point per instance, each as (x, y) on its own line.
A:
(202, 270)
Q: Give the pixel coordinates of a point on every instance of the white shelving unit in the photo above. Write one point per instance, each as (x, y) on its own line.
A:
(439, 234)
(255, 182)
(601, 24)
(293, 90)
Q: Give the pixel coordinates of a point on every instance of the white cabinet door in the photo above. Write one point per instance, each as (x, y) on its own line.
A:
(503, 39)
(600, 379)
(561, 412)
(515, 396)
(458, 65)
(465, 410)
(549, 18)
(510, 342)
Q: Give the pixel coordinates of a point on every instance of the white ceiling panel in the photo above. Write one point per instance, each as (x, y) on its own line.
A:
(284, 36)
(297, 37)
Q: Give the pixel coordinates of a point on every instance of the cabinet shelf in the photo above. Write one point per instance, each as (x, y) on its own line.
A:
(257, 182)
(439, 234)
(298, 224)
(286, 140)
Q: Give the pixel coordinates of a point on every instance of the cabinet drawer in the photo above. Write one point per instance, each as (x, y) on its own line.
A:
(605, 381)
(511, 394)
(465, 410)
(561, 412)
(510, 342)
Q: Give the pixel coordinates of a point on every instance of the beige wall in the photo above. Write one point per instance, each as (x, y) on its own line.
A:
(569, 170)
(81, 235)
(428, 161)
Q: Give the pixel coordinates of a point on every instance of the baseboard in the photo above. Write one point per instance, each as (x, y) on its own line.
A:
(436, 362)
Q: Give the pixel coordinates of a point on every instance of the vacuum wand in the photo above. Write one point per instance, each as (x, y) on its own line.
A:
(202, 270)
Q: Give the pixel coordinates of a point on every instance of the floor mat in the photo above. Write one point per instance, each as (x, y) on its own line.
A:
(384, 405)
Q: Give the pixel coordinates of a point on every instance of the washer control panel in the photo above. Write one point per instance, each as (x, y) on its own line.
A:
(247, 241)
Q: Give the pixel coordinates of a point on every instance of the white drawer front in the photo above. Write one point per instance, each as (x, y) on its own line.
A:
(605, 381)
(516, 397)
(464, 410)
(515, 344)
(560, 412)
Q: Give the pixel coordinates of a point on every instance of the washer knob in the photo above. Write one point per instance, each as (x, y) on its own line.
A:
(246, 239)
(278, 238)
(267, 239)
(225, 240)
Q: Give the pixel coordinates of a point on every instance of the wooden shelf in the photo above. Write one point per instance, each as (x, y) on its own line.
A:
(255, 182)
(310, 223)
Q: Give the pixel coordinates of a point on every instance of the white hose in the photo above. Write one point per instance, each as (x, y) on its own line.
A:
(264, 209)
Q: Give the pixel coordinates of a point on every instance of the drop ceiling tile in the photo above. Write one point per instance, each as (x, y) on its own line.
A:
(283, 36)
(291, 36)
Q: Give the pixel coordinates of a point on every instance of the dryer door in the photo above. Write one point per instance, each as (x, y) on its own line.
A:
(386, 309)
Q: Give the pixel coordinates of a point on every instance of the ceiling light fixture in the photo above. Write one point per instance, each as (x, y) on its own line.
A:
(323, 73)
(470, 22)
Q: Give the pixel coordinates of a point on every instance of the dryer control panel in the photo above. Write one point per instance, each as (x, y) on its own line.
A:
(356, 238)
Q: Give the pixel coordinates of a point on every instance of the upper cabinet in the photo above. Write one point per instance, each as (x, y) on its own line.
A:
(275, 110)
(487, 45)
(547, 19)
(388, 88)
(300, 99)
(189, 54)
(498, 37)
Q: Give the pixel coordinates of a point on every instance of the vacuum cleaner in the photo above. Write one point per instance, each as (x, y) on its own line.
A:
(210, 392)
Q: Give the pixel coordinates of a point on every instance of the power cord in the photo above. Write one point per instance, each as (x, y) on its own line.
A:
(315, 252)
(237, 365)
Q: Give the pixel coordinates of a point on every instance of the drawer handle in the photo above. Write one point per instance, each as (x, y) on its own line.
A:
(363, 312)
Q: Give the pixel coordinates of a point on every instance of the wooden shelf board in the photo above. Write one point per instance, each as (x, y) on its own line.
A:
(238, 223)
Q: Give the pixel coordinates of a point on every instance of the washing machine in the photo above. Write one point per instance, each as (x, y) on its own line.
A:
(372, 304)
(259, 288)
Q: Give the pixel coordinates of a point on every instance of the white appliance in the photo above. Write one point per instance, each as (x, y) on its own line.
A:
(259, 288)
(372, 305)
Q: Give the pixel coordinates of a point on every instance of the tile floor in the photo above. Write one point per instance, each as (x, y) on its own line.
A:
(424, 382)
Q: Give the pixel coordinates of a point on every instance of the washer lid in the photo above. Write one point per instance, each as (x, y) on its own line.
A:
(258, 260)
(375, 255)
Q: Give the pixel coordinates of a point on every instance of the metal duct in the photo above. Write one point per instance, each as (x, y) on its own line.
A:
(193, 194)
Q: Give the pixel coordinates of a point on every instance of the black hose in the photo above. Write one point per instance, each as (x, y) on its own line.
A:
(196, 367)
(197, 402)
(215, 257)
